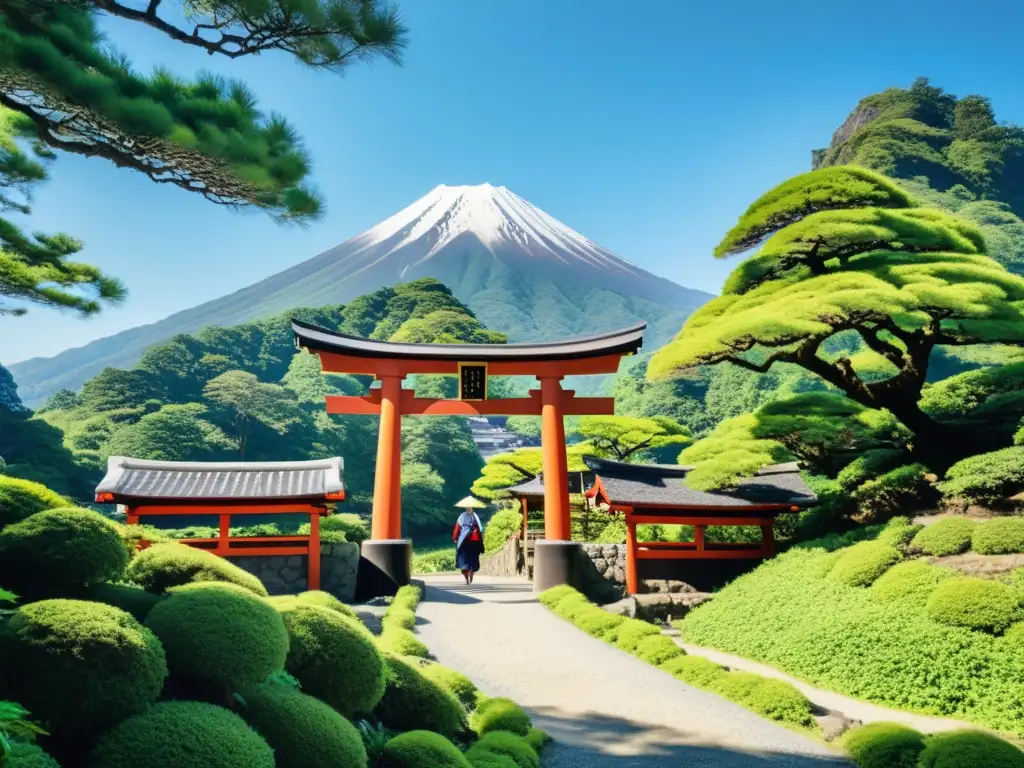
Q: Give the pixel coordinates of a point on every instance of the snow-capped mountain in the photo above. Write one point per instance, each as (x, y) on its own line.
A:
(521, 271)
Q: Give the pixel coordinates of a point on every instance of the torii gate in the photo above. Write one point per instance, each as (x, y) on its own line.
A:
(391, 362)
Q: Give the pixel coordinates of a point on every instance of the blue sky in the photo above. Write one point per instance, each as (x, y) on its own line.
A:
(648, 130)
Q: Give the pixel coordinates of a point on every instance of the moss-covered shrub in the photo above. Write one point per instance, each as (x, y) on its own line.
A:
(58, 552)
(334, 658)
(163, 566)
(399, 618)
(551, 597)
(326, 600)
(138, 602)
(631, 632)
(969, 749)
(456, 683)
(948, 536)
(913, 580)
(899, 532)
(21, 498)
(302, 730)
(412, 702)
(884, 745)
(777, 700)
(490, 760)
(861, 564)
(537, 739)
(986, 478)
(401, 642)
(599, 623)
(508, 744)
(220, 632)
(79, 666)
(25, 755)
(975, 603)
(421, 749)
(657, 649)
(1001, 536)
(407, 597)
(173, 733)
(572, 607)
(352, 526)
(500, 714)
(694, 670)
(503, 525)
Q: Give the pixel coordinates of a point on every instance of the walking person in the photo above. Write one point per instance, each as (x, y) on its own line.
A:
(469, 538)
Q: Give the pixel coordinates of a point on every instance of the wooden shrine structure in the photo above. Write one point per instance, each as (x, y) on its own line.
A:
(391, 362)
(657, 494)
(530, 495)
(223, 489)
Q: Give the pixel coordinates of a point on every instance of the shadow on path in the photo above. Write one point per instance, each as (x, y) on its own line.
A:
(463, 594)
(592, 740)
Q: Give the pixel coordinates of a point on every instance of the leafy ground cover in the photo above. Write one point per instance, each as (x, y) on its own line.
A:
(882, 643)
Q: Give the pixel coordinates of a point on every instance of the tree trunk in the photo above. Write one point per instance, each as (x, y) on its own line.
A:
(939, 445)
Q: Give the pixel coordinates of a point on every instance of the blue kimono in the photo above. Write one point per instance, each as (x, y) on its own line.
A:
(469, 542)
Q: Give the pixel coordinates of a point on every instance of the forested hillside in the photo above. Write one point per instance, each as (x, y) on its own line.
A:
(244, 393)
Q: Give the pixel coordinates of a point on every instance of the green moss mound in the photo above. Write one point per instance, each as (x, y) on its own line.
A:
(975, 603)
(302, 730)
(326, 600)
(456, 683)
(774, 699)
(220, 632)
(160, 567)
(60, 551)
(693, 670)
(508, 744)
(490, 760)
(407, 597)
(969, 749)
(657, 649)
(23, 755)
(399, 618)
(401, 642)
(79, 666)
(949, 536)
(861, 564)
(173, 734)
(138, 602)
(421, 749)
(412, 702)
(22, 498)
(551, 597)
(334, 658)
(913, 580)
(631, 632)
(537, 739)
(500, 714)
(601, 624)
(352, 526)
(1002, 536)
(884, 745)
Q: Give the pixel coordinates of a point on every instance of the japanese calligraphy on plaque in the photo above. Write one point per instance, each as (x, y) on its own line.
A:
(472, 381)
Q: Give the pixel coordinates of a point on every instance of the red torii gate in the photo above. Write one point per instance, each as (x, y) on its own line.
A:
(391, 362)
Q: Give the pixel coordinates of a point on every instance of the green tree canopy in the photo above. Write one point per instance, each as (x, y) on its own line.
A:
(626, 438)
(507, 469)
(205, 136)
(239, 402)
(899, 280)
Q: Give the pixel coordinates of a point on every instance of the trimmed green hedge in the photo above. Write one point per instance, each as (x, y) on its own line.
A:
(171, 735)
(913, 580)
(401, 642)
(948, 536)
(861, 564)
(220, 632)
(60, 551)
(508, 744)
(400, 618)
(884, 745)
(352, 526)
(138, 602)
(1001, 536)
(25, 755)
(160, 567)
(537, 739)
(326, 600)
(421, 749)
(21, 498)
(334, 658)
(787, 614)
(500, 714)
(412, 702)
(302, 730)
(694, 670)
(79, 666)
(631, 632)
(456, 683)
(407, 597)
(969, 749)
(502, 526)
(774, 699)
(986, 478)
(657, 649)
(976, 604)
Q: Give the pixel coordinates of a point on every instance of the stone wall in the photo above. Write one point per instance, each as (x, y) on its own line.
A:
(609, 560)
(287, 575)
(510, 560)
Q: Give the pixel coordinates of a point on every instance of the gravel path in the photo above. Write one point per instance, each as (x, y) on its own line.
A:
(604, 708)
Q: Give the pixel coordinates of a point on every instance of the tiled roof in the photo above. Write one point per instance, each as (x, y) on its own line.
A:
(578, 481)
(625, 341)
(129, 478)
(665, 485)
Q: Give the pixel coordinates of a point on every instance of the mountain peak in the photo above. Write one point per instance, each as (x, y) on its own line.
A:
(496, 216)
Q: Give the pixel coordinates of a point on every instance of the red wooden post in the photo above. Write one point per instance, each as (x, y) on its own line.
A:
(632, 579)
(767, 541)
(225, 534)
(313, 579)
(526, 509)
(698, 537)
(555, 463)
(387, 482)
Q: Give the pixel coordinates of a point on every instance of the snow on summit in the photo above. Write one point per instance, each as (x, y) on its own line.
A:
(498, 217)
